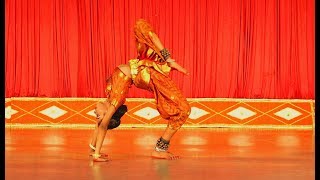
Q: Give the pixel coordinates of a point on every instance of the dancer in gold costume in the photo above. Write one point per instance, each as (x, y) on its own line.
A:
(149, 71)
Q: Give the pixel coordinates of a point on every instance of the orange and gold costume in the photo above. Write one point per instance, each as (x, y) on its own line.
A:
(117, 88)
(150, 71)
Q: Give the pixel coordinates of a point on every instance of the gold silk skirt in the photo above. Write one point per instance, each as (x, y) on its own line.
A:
(171, 103)
(117, 88)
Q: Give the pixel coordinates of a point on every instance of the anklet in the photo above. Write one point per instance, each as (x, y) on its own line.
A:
(162, 145)
(92, 147)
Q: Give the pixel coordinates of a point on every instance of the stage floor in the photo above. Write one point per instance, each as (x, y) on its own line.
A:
(219, 153)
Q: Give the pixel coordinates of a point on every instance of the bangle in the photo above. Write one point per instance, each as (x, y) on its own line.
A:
(165, 53)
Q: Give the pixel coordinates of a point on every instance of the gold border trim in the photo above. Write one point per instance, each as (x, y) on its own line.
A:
(186, 126)
(152, 100)
(313, 114)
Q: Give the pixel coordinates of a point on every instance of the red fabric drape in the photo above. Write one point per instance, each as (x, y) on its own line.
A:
(233, 49)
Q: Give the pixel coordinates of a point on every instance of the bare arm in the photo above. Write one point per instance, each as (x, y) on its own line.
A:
(156, 40)
(177, 66)
(171, 62)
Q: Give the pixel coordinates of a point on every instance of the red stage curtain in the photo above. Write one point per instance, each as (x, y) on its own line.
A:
(233, 48)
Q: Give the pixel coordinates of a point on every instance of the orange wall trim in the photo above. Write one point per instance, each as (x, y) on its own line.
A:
(205, 112)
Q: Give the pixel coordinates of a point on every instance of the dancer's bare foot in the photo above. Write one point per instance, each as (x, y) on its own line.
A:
(92, 151)
(164, 155)
(103, 155)
(99, 158)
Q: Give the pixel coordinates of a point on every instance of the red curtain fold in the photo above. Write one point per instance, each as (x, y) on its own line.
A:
(233, 49)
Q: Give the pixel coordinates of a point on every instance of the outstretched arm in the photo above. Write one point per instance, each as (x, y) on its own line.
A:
(171, 62)
(177, 66)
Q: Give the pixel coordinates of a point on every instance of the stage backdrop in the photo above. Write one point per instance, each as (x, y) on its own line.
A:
(233, 48)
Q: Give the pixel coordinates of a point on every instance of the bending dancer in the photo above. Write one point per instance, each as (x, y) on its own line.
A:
(109, 112)
(149, 71)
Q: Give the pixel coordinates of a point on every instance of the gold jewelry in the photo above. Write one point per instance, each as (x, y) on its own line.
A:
(92, 147)
(165, 53)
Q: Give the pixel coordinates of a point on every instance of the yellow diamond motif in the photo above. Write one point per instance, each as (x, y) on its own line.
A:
(9, 112)
(147, 113)
(53, 112)
(197, 113)
(241, 113)
(288, 113)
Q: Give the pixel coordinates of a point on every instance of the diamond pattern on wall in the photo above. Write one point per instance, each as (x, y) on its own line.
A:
(206, 112)
(241, 113)
(91, 113)
(53, 112)
(9, 112)
(197, 113)
(147, 113)
(288, 113)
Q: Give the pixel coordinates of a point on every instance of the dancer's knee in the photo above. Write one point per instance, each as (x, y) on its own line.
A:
(182, 118)
(106, 119)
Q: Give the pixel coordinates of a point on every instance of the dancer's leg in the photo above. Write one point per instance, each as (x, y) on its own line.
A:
(166, 137)
(101, 133)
